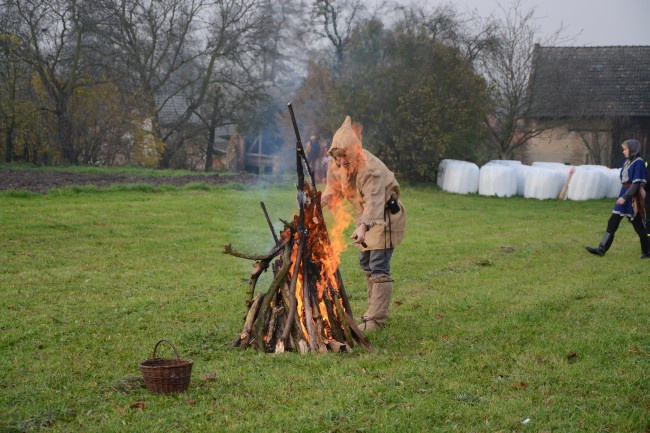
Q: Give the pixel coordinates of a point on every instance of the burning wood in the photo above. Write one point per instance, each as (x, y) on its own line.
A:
(306, 306)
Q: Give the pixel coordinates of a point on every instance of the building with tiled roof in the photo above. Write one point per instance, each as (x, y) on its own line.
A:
(591, 98)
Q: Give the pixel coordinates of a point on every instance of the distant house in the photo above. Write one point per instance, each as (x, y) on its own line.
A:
(230, 151)
(172, 109)
(590, 99)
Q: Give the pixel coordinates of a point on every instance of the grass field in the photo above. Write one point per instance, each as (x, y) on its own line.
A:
(502, 322)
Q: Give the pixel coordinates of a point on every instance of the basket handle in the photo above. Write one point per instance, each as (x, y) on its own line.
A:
(169, 343)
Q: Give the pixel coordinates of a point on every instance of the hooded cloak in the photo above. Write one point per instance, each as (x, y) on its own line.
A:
(368, 185)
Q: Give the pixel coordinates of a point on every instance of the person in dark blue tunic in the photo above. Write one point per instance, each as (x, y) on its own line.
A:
(647, 200)
(631, 200)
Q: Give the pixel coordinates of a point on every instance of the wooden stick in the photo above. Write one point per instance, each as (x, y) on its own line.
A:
(268, 221)
(260, 322)
(258, 269)
(320, 333)
(309, 323)
(292, 288)
(344, 294)
(248, 323)
(358, 334)
(271, 327)
(337, 346)
(335, 327)
(344, 323)
(303, 347)
(277, 249)
(565, 187)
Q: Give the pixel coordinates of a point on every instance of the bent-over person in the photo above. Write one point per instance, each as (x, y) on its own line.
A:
(362, 179)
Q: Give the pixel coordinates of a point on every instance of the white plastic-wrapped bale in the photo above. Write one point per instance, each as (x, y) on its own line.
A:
(557, 166)
(522, 171)
(460, 177)
(543, 183)
(614, 183)
(440, 178)
(510, 162)
(589, 182)
(497, 179)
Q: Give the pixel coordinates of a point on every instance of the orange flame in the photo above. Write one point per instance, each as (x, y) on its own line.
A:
(324, 252)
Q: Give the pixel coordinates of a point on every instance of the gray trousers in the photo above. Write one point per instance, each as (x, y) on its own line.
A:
(377, 262)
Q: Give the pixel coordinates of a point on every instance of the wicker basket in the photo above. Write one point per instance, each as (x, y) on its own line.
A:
(166, 375)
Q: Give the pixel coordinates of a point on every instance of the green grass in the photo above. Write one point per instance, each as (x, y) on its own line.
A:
(503, 317)
(122, 170)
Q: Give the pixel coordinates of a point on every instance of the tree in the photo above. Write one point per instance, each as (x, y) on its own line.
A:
(178, 53)
(51, 35)
(12, 75)
(244, 32)
(154, 44)
(506, 66)
(412, 88)
(101, 129)
(597, 142)
(337, 18)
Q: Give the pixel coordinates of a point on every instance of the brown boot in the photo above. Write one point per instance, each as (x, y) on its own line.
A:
(369, 284)
(378, 303)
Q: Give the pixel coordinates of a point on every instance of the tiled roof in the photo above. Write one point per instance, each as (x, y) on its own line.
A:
(173, 109)
(590, 81)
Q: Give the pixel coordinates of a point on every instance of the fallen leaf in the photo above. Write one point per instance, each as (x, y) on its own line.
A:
(192, 402)
(398, 303)
(445, 337)
(138, 405)
(121, 410)
(439, 316)
(209, 377)
(520, 385)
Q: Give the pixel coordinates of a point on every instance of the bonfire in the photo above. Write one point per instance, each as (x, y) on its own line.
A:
(306, 307)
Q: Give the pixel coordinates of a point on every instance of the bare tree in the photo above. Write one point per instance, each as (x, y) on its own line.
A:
(337, 19)
(244, 32)
(13, 73)
(155, 45)
(177, 51)
(506, 67)
(597, 142)
(51, 34)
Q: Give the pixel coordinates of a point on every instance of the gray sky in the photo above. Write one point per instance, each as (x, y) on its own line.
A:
(592, 22)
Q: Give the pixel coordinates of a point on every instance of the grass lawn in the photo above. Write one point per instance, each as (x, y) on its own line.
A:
(502, 322)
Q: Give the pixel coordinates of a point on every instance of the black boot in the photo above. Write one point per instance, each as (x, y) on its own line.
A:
(645, 247)
(604, 245)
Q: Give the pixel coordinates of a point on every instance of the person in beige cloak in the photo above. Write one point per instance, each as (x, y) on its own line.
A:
(361, 178)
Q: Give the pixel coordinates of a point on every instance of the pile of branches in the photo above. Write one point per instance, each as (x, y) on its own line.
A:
(306, 307)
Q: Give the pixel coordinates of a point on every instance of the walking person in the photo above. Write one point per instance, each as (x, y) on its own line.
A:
(364, 180)
(630, 202)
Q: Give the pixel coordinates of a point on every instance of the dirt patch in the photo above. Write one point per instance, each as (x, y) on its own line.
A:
(42, 181)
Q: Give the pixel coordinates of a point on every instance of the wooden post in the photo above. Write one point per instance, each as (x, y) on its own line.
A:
(565, 187)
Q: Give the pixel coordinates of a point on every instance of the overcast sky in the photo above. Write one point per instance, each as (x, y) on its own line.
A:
(592, 22)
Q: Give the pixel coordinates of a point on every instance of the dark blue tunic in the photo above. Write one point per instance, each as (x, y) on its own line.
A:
(631, 172)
